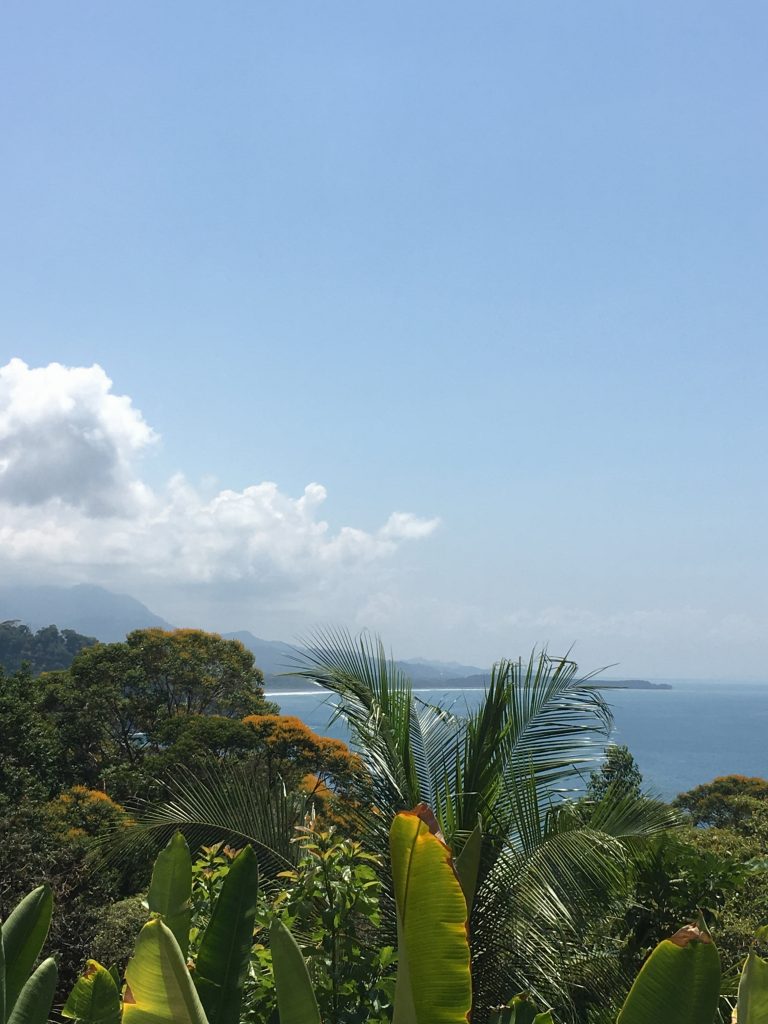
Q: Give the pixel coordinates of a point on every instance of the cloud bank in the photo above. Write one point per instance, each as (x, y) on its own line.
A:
(72, 499)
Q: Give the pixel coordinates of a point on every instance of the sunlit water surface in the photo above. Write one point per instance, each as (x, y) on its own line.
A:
(679, 737)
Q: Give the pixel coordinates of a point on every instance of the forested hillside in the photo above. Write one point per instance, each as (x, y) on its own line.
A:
(43, 651)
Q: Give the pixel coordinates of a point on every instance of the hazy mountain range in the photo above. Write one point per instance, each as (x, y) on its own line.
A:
(95, 611)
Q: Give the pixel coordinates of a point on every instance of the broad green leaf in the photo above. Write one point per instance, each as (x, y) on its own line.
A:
(296, 1001)
(24, 933)
(36, 997)
(94, 998)
(544, 1018)
(467, 864)
(678, 984)
(170, 892)
(752, 1007)
(222, 961)
(433, 979)
(158, 987)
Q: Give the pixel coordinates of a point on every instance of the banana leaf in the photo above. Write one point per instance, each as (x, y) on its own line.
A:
(295, 999)
(224, 955)
(24, 933)
(433, 979)
(158, 987)
(95, 998)
(752, 1006)
(678, 984)
(170, 892)
(36, 997)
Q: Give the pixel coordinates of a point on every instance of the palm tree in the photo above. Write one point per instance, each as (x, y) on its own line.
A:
(539, 868)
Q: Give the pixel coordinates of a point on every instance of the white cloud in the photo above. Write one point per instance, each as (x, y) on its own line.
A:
(72, 499)
(64, 437)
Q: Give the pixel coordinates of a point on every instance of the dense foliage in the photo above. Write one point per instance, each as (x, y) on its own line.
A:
(78, 744)
(47, 649)
(567, 887)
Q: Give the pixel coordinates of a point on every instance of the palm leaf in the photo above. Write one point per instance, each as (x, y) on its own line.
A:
(222, 802)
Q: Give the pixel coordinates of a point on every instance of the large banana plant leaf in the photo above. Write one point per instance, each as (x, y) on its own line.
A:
(295, 998)
(170, 892)
(679, 983)
(33, 1004)
(158, 988)
(752, 1006)
(224, 954)
(95, 998)
(23, 935)
(433, 979)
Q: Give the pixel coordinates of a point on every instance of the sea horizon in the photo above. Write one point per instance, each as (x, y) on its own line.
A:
(680, 737)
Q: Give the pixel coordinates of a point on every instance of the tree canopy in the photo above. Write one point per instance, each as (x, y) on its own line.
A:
(48, 649)
(115, 703)
(726, 802)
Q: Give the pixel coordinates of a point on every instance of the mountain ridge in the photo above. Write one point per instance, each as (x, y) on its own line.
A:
(97, 612)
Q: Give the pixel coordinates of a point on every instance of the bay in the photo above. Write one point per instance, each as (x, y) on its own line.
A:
(679, 737)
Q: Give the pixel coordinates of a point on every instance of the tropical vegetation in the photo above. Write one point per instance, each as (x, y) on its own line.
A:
(503, 862)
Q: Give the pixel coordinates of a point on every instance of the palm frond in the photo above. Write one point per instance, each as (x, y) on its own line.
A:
(375, 701)
(224, 802)
(564, 867)
(558, 721)
(633, 818)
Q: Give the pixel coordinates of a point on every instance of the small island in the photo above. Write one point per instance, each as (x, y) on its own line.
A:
(633, 684)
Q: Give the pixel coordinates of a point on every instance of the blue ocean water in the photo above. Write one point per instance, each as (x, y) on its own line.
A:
(679, 737)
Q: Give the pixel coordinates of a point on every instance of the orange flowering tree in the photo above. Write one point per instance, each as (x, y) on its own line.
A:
(289, 748)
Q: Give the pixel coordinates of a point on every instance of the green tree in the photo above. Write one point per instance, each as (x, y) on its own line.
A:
(32, 759)
(47, 649)
(196, 740)
(618, 771)
(112, 708)
(726, 802)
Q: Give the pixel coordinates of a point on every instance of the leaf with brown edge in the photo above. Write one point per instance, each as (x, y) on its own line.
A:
(433, 979)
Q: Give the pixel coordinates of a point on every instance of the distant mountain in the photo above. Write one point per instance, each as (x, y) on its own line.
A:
(273, 657)
(421, 670)
(97, 612)
(276, 658)
(87, 609)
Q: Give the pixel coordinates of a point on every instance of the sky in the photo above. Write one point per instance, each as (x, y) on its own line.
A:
(443, 320)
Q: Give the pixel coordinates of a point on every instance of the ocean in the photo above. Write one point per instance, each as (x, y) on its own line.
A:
(679, 737)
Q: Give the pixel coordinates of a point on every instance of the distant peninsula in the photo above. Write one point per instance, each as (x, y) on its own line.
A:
(632, 684)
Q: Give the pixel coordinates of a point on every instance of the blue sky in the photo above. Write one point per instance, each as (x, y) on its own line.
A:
(499, 265)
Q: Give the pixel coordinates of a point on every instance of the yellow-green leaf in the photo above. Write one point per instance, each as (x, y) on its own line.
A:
(678, 984)
(94, 998)
(433, 979)
(158, 987)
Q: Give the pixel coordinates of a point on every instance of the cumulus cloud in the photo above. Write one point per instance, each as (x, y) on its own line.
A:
(64, 437)
(71, 497)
